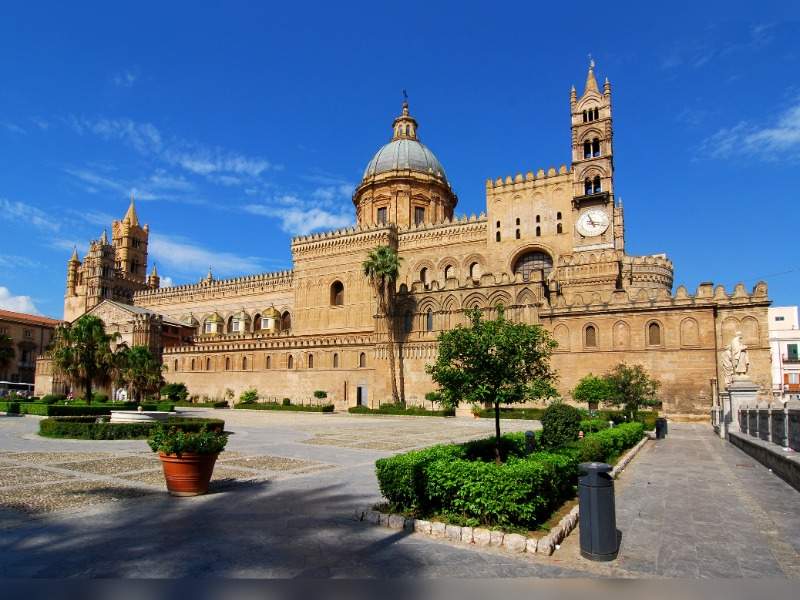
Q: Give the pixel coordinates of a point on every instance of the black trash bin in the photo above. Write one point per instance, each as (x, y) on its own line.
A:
(661, 428)
(598, 519)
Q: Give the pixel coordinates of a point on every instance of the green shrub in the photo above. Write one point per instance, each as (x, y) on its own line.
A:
(52, 398)
(175, 392)
(325, 408)
(286, 402)
(101, 398)
(511, 444)
(560, 425)
(359, 410)
(593, 425)
(98, 427)
(591, 450)
(172, 440)
(320, 394)
(249, 396)
(400, 409)
(533, 414)
(12, 408)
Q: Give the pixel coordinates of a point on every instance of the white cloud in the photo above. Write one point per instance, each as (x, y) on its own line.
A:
(778, 141)
(186, 257)
(18, 211)
(166, 282)
(40, 123)
(68, 244)
(333, 192)
(10, 261)
(12, 127)
(125, 78)
(299, 220)
(23, 304)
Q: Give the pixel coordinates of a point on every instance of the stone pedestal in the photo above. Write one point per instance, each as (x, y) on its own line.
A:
(724, 404)
(741, 391)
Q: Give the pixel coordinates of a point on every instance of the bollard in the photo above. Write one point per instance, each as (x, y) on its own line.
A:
(661, 428)
(598, 519)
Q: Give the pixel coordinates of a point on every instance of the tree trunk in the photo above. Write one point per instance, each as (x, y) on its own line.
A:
(400, 375)
(497, 458)
(88, 391)
(392, 368)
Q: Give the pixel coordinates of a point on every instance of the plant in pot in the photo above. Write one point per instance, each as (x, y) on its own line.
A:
(187, 457)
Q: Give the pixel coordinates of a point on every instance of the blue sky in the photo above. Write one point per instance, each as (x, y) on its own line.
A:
(240, 124)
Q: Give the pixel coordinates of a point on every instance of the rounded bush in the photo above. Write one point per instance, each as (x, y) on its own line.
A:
(560, 425)
(52, 398)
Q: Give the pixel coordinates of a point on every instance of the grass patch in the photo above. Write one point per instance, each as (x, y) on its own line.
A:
(323, 408)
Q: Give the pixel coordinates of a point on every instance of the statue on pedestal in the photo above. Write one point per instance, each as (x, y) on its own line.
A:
(735, 361)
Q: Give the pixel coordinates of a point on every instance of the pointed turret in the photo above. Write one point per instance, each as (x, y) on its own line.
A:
(104, 238)
(153, 280)
(591, 82)
(74, 258)
(131, 218)
(404, 126)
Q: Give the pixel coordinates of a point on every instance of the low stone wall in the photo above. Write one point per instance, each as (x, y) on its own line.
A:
(784, 463)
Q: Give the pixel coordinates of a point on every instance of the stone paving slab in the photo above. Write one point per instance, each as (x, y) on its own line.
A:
(14, 476)
(112, 466)
(47, 497)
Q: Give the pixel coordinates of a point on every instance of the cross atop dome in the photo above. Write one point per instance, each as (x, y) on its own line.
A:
(404, 126)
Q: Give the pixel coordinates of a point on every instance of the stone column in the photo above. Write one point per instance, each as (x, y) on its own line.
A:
(740, 392)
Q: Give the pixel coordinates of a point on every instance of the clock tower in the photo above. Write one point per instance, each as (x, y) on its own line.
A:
(597, 218)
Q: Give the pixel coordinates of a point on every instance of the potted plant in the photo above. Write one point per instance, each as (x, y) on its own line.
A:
(187, 457)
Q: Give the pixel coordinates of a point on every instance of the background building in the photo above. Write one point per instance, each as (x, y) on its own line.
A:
(784, 344)
(30, 336)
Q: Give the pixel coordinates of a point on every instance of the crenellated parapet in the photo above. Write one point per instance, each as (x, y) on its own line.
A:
(459, 229)
(528, 181)
(211, 288)
(366, 237)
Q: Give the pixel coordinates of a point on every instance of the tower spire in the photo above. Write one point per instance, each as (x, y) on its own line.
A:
(404, 126)
(131, 217)
(74, 257)
(591, 82)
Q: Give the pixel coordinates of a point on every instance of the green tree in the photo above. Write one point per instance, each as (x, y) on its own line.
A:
(381, 269)
(82, 353)
(497, 362)
(592, 390)
(141, 371)
(175, 392)
(7, 353)
(631, 387)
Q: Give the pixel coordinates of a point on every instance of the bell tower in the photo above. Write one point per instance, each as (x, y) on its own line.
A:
(130, 246)
(598, 219)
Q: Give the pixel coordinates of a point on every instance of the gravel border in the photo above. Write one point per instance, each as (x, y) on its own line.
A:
(481, 536)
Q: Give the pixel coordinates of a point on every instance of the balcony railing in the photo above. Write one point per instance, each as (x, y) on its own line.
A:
(791, 359)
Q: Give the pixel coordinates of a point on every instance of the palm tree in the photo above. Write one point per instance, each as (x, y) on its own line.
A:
(141, 371)
(381, 269)
(82, 353)
(7, 353)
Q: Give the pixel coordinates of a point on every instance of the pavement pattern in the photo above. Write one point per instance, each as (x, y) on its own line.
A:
(283, 494)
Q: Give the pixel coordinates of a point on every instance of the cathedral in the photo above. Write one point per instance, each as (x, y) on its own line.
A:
(549, 249)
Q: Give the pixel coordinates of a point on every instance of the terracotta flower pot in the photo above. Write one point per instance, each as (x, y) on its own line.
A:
(189, 473)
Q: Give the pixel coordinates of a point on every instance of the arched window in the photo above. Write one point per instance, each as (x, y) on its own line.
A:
(257, 323)
(595, 147)
(290, 362)
(408, 321)
(268, 362)
(175, 368)
(335, 360)
(497, 236)
(587, 149)
(208, 364)
(337, 293)
(423, 275)
(429, 320)
(310, 361)
(517, 220)
(558, 215)
(286, 321)
(538, 231)
(498, 224)
(517, 233)
(596, 187)
(590, 336)
(244, 363)
(207, 327)
(475, 271)
(654, 334)
(531, 262)
(584, 117)
(596, 113)
(192, 364)
(362, 360)
(587, 186)
(449, 272)
(538, 218)
(227, 363)
(559, 228)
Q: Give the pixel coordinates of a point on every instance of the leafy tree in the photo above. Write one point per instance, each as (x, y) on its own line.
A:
(497, 362)
(592, 390)
(560, 425)
(381, 269)
(175, 392)
(631, 387)
(82, 353)
(141, 371)
(7, 353)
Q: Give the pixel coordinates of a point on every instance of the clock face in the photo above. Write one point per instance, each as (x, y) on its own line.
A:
(592, 223)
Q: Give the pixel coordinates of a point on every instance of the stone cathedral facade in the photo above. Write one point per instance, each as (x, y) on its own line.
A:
(550, 248)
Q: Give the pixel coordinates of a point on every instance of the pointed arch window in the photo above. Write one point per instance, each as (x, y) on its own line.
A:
(587, 186)
(596, 185)
(337, 293)
(449, 272)
(423, 276)
(654, 334)
(595, 147)
(310, 361)
(362, 360)
(335, 360)
(429, 320)
(474, 271)
(590, 336)
(290, 362)
(587, 149)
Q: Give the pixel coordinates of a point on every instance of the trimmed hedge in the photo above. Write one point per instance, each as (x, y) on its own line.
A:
(648, 417)
(533, 414)
(94, 428)
(593, 425)
(324, 408)
(219, 404)
(462, 484)
(394, 409)
(69, 410)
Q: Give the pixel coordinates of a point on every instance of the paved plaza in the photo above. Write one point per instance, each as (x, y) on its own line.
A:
(284, 492)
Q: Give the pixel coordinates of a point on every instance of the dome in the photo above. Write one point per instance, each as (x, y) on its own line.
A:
(405, 154)
(271, 313)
